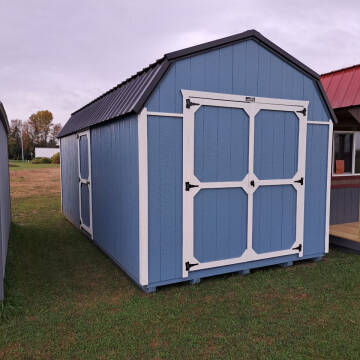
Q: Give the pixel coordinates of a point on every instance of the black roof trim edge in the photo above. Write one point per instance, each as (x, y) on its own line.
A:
(164, 67)
(3, 118)
(327, 102)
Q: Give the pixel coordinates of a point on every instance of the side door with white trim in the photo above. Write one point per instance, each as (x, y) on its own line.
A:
(84, 165)
(244, 174)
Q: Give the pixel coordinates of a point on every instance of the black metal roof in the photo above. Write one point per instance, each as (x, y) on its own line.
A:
(131, 95)
(3, 118)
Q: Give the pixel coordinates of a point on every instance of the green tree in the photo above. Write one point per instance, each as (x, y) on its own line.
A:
(15, 139)
(40, 127)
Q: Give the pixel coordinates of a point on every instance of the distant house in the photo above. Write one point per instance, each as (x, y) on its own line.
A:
(5, 217)
(343, 90)
(45, 152)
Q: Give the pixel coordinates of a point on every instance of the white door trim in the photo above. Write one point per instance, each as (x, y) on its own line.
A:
(251, 106)
(143, 197)
(88, 229)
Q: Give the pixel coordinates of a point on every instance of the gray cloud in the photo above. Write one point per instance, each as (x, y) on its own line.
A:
(60, 54)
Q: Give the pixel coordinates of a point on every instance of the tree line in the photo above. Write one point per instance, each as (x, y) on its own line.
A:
(38, 131)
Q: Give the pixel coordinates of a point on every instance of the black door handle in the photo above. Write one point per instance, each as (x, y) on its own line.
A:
(188, 186)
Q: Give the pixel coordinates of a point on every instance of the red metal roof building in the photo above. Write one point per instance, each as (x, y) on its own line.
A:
(343, 90)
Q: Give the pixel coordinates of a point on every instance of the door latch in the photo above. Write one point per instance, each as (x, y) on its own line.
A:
(252, 183)
(188, 186)
(188, 265)
(299, 247)
(303, 111)
(300, 181)
(189, 103)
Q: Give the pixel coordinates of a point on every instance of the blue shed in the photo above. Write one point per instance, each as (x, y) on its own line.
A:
(213, 159)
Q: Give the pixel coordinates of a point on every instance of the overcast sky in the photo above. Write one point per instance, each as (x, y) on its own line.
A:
(60, 54)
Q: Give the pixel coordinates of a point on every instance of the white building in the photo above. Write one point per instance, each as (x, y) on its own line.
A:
(45, 152)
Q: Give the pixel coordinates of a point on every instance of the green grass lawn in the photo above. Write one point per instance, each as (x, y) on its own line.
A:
(66, 300)
(25, 165)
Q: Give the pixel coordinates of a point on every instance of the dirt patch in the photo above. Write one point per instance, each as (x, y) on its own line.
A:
(34, 182)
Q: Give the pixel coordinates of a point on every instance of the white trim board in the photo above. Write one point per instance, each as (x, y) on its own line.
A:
(143, 198)
(156, 113)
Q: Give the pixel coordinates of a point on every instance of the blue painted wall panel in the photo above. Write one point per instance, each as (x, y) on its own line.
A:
(5, 215)
(221, 144)
(220, 224)
(274, 218)
(115, 191)
(85, 204)
(84, 157)
(245, 68)
(276, 144)
(165, 197)
(315, 188)
(69, 178)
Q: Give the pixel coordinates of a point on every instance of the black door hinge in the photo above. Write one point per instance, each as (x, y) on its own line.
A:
(189, 103)
(188, 186)
(303, 111)
(299, 247)
(300, 181)
(252, 183)
(188, 265)
(249, 99)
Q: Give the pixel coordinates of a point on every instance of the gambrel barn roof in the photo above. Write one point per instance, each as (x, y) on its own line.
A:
(131, 95)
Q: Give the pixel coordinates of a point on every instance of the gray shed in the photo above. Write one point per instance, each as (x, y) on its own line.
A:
(5, 215)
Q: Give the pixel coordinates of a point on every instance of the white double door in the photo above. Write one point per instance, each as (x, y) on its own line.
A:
(244, 179)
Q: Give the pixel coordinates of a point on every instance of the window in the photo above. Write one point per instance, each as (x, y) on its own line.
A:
(346, 153)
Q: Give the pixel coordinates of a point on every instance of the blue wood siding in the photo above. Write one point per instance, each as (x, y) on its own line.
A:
(69, 179)
(165, 197)
(246, 68)
(344, 205)
(115, 192)
(84, 156)
(276, 144)
(85, 204)
(5, 217)
(315, 188)
(274, 218)
(220, 224)
(221, 144)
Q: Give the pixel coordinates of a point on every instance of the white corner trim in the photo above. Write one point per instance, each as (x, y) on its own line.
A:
(328, 187)
(143, 197)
